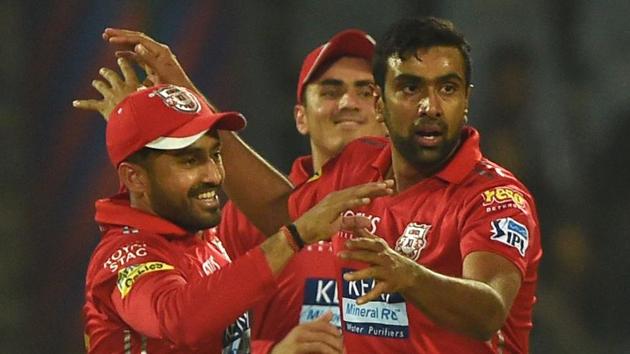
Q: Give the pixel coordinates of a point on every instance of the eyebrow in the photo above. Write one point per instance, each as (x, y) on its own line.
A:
(337, 82)
(414, 78)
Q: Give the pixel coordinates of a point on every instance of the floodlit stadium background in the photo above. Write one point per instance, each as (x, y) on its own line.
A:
(551, 100)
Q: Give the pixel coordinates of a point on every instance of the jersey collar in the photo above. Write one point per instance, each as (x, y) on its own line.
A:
(465, 159)
(117, 211)
(301, 170)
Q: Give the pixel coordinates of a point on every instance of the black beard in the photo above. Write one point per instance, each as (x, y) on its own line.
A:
(181, 215)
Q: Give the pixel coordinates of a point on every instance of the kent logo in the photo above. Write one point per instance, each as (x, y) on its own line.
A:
(384, 317)
(512, 233)
(320, 295)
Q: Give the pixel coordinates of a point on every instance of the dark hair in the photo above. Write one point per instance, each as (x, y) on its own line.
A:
(407, 35)
(140, 157)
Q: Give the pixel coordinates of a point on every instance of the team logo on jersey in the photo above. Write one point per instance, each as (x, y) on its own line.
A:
(128, 276)
(178, 98)
(498, 198)
(413, 240)
(512, 233)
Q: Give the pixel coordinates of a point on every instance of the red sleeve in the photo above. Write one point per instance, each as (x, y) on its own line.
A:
(260, 346)
(163, 304)
(501, 219)
(236, 232)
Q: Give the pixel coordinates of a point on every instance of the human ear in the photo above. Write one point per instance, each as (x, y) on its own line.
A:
(133, 176)
(301, 121)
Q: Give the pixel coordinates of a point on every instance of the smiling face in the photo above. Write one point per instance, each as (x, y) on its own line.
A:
(183, 184)
(338, 107)
(426, 97)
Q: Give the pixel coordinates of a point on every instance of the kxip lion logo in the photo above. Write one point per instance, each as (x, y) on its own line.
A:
(178, 98)
(413, 240)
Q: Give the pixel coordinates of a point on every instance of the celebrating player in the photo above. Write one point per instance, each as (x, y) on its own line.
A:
(335, 105)
(159, 280)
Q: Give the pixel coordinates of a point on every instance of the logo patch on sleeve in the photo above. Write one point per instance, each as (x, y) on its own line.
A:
(128, 276)
(512, 233)
(499, 198)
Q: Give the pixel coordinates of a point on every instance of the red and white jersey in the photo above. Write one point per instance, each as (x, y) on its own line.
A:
(471, 205)
(306, 288)
(151, 287)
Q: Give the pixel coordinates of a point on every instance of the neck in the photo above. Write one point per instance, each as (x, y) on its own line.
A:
(320, 157)
(404, 173)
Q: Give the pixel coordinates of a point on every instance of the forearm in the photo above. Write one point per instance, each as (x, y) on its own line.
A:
(192, 313)
(466, 306)
(259, 190)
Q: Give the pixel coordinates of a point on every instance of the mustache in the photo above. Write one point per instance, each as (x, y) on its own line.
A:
(425, 120)
(203, 188)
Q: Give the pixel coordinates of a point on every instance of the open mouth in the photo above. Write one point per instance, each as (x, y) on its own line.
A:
(429, 135)
(209, 199)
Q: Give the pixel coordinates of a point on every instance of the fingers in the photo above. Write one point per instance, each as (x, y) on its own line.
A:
(354, 223)
(370, 257)
(378, 289)
(104, 89)
(112, 78)
(140, 42)
(90, 105)
(129, 74)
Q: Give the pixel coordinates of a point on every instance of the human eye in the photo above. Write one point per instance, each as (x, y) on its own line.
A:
(410, 88)
(331, 92)
(448, 89)
(365, 92)
(216, 155)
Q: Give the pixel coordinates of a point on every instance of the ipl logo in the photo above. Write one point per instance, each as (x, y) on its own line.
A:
(413, 240)
(178, 98)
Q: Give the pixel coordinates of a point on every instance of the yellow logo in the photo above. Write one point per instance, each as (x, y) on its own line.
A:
(503, 195)
(128, 276)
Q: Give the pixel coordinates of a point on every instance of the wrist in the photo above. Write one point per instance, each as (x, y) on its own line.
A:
(295, 244)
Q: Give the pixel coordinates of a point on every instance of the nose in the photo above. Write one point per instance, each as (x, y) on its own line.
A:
(349, 100)
(212, 172)
(430, 105)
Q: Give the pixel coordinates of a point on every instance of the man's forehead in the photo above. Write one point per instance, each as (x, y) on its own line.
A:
(345, 69)
(435, 59)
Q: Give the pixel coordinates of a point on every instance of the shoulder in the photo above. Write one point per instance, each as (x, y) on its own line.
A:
(123, 247)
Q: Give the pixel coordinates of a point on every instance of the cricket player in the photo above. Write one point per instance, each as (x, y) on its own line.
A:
(159, 280)
(335, 105)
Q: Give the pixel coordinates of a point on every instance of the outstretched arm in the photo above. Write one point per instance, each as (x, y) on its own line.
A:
(476, 304)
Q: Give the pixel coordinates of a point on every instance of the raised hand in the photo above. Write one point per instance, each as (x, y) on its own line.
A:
(391, 271)
(324, 219)
(114, 90)
(318, 336)
(156, 58)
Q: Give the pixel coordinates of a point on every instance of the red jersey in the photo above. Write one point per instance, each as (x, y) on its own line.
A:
(471, 205)
(152, 287)
(307, 288)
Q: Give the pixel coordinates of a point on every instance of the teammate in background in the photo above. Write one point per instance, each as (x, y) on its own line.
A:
(335, 105)
(159, 280)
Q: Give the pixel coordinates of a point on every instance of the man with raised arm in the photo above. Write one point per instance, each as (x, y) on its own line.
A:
(159, 279)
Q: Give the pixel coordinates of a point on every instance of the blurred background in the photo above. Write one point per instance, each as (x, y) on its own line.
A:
(551, 99)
